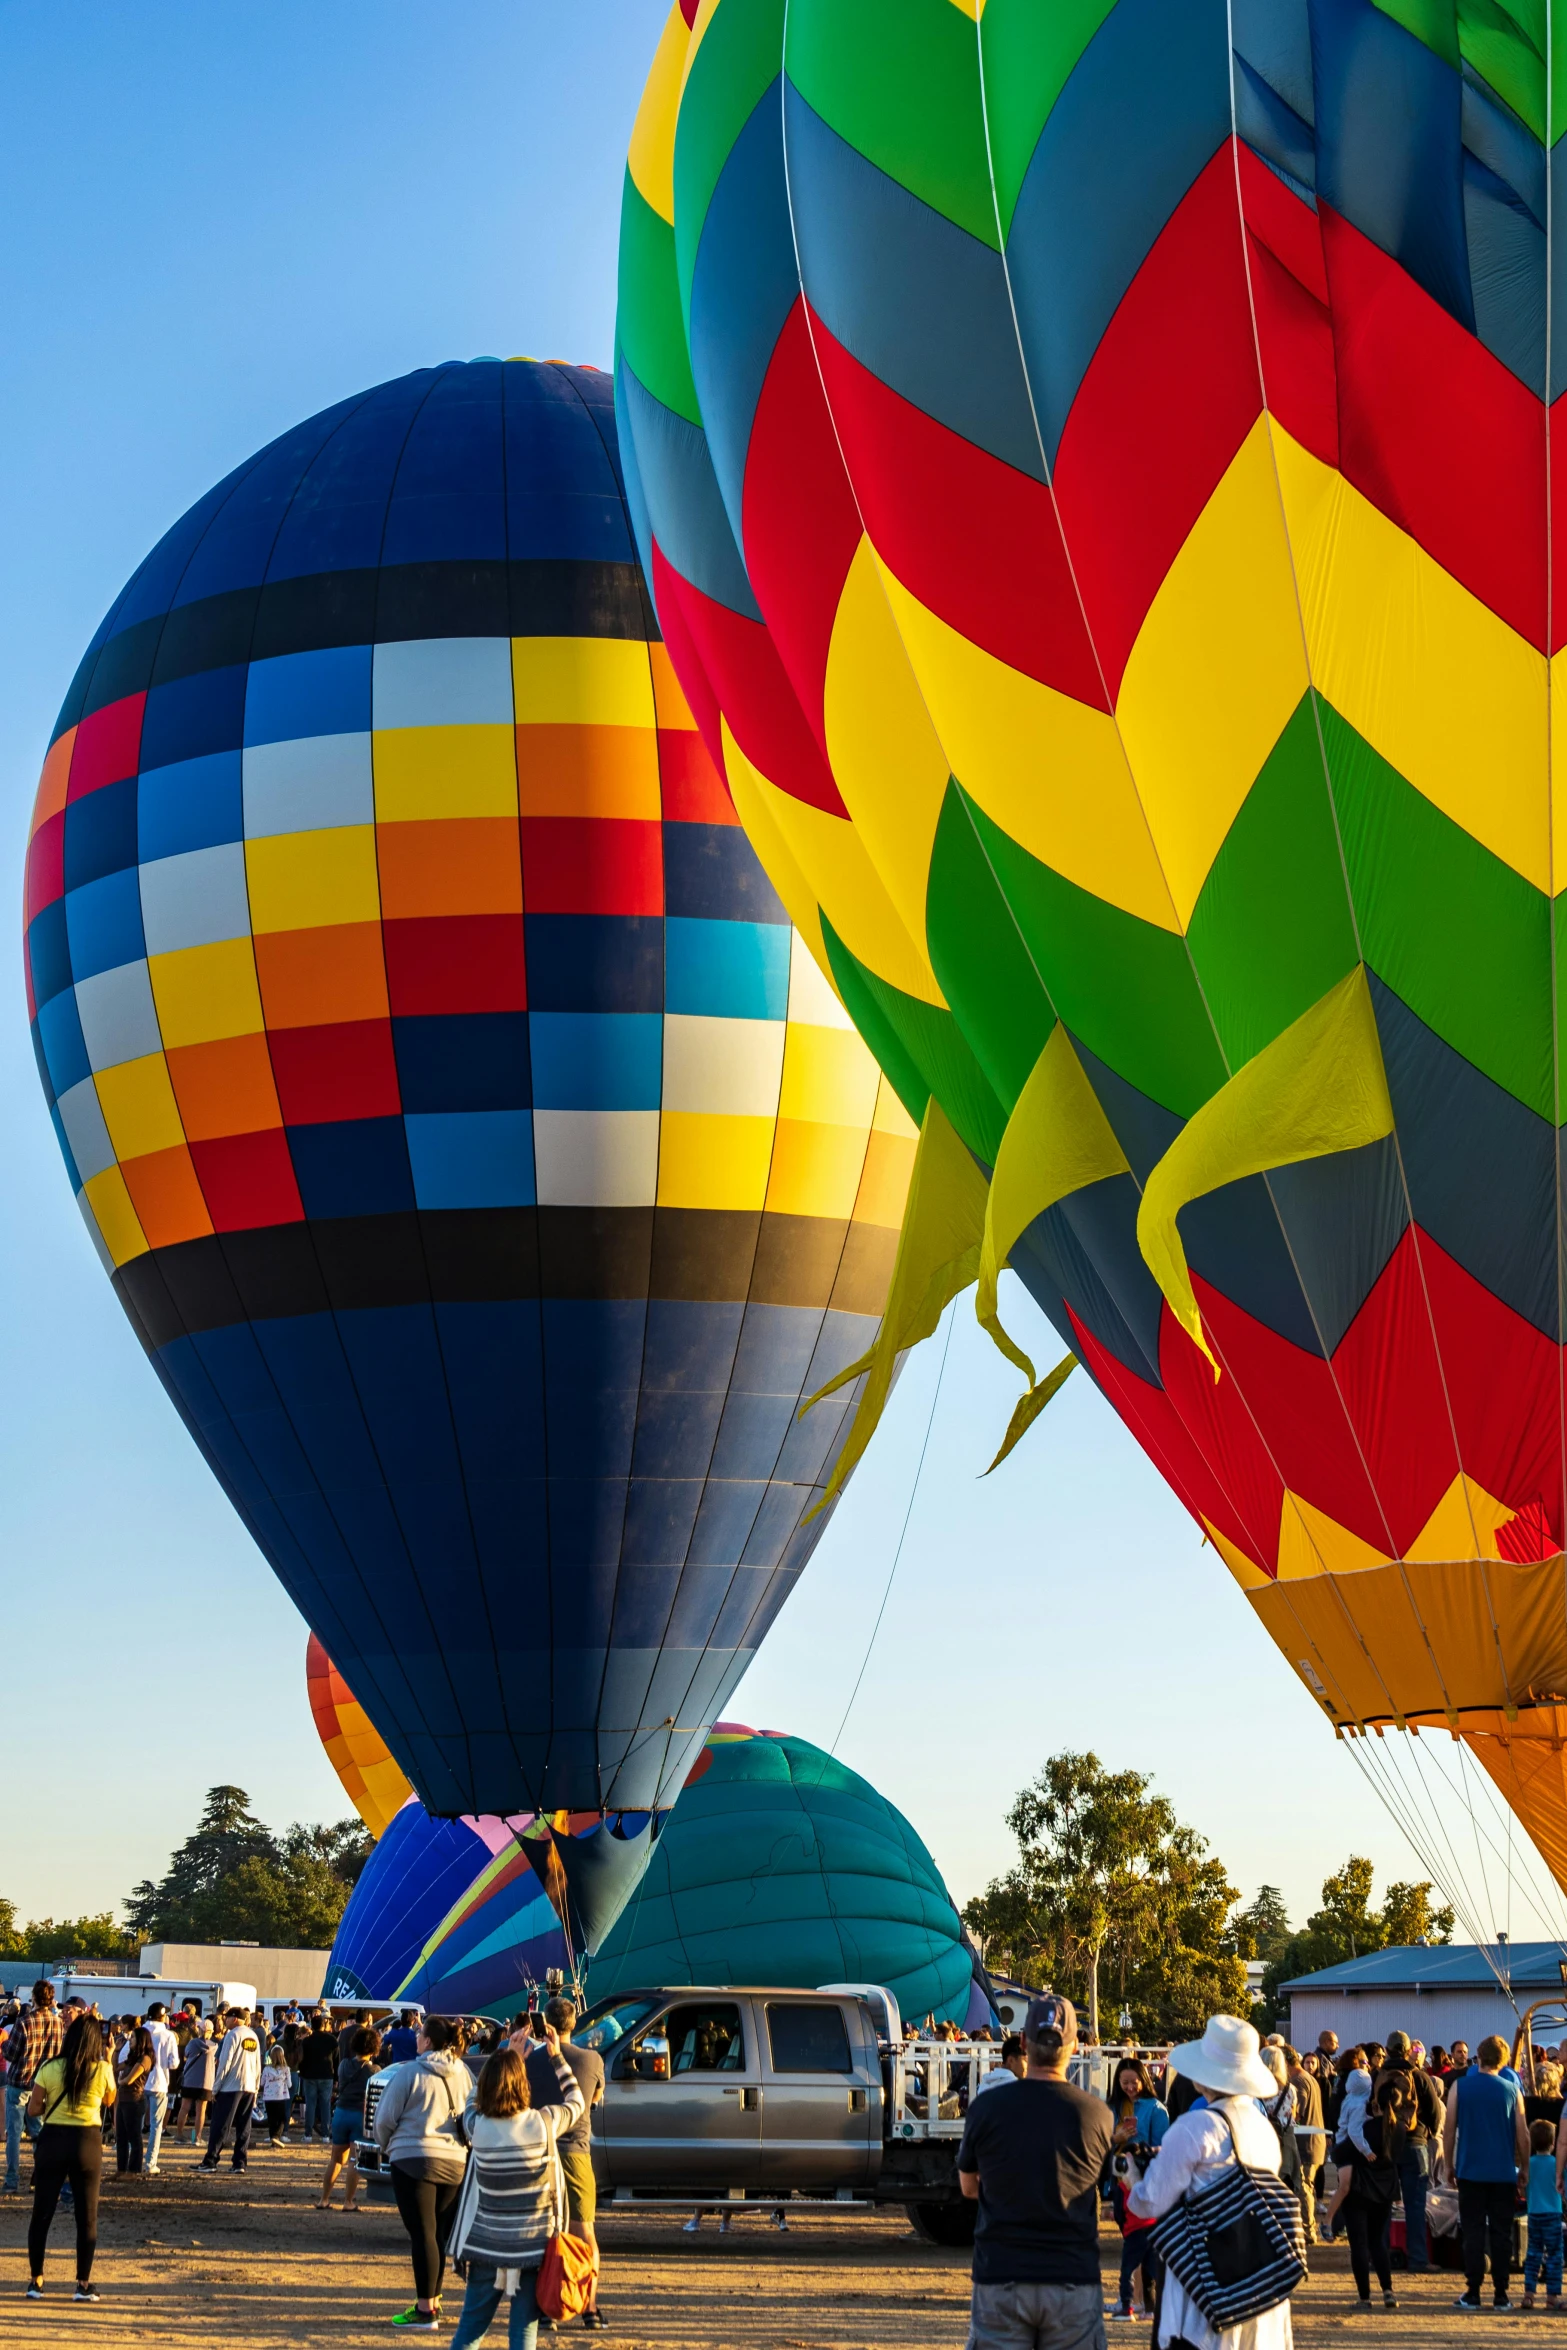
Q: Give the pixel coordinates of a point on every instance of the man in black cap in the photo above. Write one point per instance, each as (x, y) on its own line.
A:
(1033, 2162)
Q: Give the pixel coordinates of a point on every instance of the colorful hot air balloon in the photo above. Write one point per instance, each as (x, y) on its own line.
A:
(354, 1746)
(1094, 469)
(450, 1914)
(778, 1865)
(484, 1168)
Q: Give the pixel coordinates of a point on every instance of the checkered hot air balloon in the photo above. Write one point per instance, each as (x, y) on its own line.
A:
(479, 1156)
(1094, 467)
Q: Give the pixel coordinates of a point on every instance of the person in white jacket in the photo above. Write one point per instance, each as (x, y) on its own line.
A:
(514, 2197)
(165, 2069)
(237, 2078)
(1226, 2067)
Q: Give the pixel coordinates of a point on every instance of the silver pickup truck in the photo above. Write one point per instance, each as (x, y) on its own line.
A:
(711, 2096)
(716, 2096)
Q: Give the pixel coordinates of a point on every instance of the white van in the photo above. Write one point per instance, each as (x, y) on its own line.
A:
(134, 1994)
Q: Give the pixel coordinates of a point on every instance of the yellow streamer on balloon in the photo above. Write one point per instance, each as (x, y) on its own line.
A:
(938, 1254)
(1058, 1139)
(1318, 1088)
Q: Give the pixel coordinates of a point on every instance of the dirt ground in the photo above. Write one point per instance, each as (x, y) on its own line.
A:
(245, 2262)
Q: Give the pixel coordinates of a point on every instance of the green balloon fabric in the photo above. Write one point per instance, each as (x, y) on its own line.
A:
(780, 1865)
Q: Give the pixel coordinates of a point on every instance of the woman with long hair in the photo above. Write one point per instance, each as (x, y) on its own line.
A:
(133, 2065)
(418, 2127)
(1377, 2136)
(1140, 2124)
(513, 2198)
(70, 2097)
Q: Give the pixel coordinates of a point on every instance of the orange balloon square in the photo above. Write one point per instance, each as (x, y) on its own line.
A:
(310, 978)
(460, 865)
(166, 1196)
(224, 1088)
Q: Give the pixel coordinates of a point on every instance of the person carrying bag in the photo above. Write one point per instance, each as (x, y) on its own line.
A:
(1229, 2232)
(510, 2225)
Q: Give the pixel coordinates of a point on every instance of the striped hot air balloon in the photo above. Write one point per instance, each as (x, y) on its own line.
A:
(1095, 473)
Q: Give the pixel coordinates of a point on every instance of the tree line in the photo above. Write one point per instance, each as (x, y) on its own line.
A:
(1117, 1902)
(232, 1880)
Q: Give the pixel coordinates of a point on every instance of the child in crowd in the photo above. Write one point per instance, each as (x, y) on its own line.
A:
(1545, 2219)
(277, 2091)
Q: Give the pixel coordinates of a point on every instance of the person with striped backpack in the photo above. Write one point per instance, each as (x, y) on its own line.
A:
(1229, 2229)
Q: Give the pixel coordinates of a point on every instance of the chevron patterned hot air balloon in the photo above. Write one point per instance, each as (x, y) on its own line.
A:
(1095, 469)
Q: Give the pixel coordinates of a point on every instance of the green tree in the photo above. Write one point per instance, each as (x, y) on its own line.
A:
(226, 1835)
(1408, 1916)
(1109, 1882)
(1349, 1924)
(40, 1938)
(1262, 1928)
(233, 1880)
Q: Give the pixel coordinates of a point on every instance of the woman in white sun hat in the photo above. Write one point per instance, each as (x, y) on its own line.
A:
(1226, 2067)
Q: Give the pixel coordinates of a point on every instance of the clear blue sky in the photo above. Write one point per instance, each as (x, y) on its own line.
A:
(218, 220)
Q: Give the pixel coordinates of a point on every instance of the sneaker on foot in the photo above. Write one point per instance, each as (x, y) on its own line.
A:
(35, 2289)
(1390, 2300)
(692, 2224)
(1500, 2301)
(421, 2321)
(86, 2293)
(1468, 2303)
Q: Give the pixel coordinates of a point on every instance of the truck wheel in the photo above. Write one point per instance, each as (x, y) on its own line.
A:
(943, 2223)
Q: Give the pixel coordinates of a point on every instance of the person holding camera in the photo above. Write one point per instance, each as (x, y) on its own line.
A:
(1140, 2123)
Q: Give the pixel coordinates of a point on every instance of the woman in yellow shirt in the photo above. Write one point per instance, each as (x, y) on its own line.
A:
(70, 2096)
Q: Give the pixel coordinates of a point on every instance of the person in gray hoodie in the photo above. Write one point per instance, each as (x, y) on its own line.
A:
(418, 2127)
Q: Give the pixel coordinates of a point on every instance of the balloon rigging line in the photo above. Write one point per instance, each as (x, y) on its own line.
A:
(1454, 1880)
(919, 1471)
(1404, 1803)
(1546, 1902)
(1402, 1778)
(1395, 1799)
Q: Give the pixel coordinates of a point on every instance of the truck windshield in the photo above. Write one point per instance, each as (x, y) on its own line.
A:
(609, 2024)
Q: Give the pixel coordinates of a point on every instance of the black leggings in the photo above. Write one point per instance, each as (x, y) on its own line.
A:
(63, 2151)
(1366, 2225)
(428, 2207)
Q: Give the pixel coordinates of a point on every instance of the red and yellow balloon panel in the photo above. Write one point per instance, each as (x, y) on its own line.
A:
(1094, 467)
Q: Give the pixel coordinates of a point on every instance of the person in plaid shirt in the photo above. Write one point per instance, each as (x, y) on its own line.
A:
(36, 2035)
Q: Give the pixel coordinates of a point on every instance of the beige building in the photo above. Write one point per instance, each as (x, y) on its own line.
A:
(276, 1974)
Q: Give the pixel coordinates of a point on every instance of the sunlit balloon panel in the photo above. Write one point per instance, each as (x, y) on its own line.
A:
(484, 1165)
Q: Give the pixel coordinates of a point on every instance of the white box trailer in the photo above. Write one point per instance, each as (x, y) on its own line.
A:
(134, 1994)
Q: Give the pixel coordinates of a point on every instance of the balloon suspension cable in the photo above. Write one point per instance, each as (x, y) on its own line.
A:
(1411, 1779)
(892, 1572)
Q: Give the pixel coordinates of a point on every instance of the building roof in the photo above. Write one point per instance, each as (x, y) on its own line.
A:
(1443, 1966)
